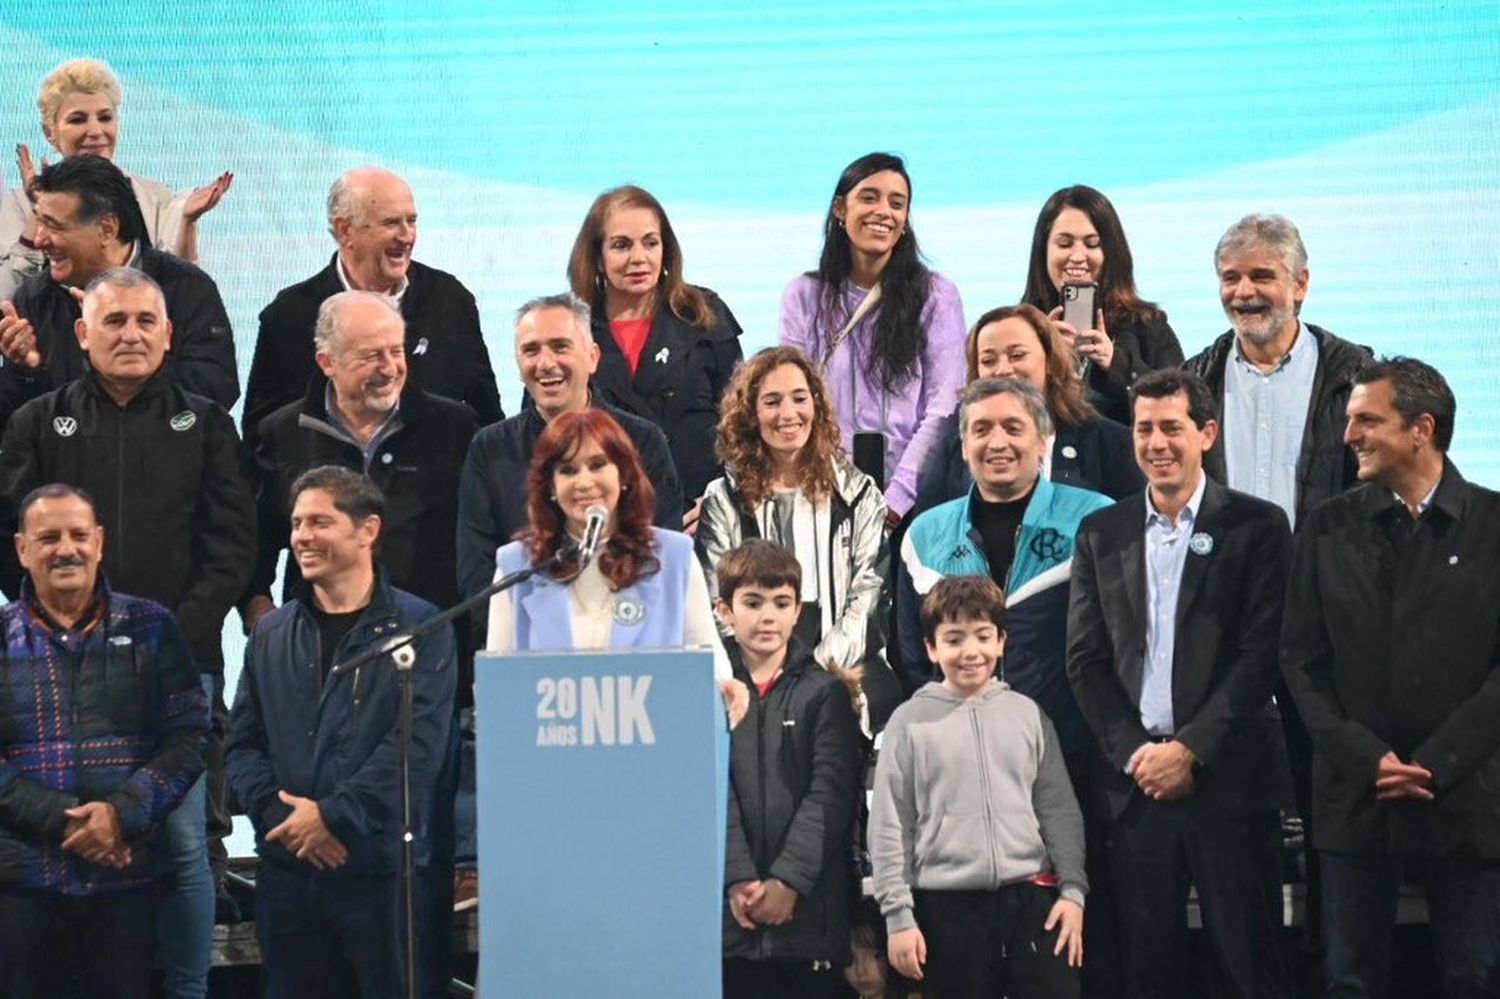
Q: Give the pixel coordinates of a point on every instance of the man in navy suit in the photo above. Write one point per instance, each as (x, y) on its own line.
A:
(1173, 625)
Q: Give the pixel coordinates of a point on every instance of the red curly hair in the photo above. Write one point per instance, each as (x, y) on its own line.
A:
(629, 552)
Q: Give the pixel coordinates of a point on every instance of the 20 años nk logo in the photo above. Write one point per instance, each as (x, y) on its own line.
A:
(593, 711)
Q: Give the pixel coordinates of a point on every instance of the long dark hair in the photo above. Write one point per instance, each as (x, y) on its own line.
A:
(899, 339)
(1118, 298)
(586, 262)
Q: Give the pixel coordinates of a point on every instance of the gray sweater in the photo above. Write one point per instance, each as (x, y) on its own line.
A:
(971, 795)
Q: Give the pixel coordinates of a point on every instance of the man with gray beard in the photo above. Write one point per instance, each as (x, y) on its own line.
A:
(1280, 387)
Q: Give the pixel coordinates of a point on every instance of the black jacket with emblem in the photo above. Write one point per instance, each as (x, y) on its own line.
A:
(677, 386)
(202, 354)
(445, 351)
(167, 478)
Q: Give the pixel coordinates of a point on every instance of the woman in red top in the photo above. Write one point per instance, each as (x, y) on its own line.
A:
(667, 347)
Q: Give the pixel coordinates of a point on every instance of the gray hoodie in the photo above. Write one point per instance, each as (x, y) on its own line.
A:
(971, 795)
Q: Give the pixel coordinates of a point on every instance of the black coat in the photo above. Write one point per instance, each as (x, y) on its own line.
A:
(678, 385)
(201, 358)
(793, 768)
(445, 351)
(167, 476)
(492, 488)
(1392, 643)
(1228, 625)
(1140, 348)
(1325, 466)
(1097, 455)
(416, 468)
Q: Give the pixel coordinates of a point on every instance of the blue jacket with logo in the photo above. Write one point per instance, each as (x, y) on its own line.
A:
(943, 541)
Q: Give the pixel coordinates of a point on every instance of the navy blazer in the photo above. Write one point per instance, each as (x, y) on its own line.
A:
(1224, 666)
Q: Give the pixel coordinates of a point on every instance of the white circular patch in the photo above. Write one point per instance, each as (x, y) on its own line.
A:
(1201, 544)
(183, 420)
(629, 612)
(65, 426)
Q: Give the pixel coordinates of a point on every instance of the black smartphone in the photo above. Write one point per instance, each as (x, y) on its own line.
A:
(869, 455)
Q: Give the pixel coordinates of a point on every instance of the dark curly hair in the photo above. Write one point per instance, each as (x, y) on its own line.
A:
(741, 446)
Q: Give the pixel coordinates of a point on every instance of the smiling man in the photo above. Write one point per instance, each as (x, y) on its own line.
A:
(90, 222)
(1173, 625)
(166, 469)
(1015, 527)
(556, 355)
(1279, 384)
(102, 736)
(313, 757)
(372, 216)
(1390, 647)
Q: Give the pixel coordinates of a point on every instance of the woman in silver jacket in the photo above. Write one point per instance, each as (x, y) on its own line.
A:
(786, 479)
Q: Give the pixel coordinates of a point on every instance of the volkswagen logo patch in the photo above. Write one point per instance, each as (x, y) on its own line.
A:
(183, 420)
(65, 426)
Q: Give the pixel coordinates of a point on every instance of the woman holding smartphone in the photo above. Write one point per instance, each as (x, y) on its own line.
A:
(887, 332)
(1078, 239)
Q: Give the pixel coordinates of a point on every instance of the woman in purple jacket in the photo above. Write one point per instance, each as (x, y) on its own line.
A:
(888, 332)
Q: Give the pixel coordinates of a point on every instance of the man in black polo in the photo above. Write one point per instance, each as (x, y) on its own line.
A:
(90, 222)
(1390, 648)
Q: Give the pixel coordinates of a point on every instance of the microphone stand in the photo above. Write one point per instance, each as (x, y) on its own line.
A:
(404, 657)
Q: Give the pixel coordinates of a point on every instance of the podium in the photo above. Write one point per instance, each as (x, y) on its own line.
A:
(602, 784)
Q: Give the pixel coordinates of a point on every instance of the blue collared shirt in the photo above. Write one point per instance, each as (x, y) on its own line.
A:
(1166, 554)
(1265, 413)
(371, 448)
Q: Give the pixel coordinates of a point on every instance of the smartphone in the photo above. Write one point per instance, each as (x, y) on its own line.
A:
(869, 455)
(1078, 304)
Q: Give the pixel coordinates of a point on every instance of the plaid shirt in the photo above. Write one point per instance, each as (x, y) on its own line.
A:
(109, 709)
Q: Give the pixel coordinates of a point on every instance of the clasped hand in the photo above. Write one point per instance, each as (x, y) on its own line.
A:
(304, 835)
(1163, 770)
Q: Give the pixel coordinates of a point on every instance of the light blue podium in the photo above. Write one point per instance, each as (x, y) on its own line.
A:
(602, 782)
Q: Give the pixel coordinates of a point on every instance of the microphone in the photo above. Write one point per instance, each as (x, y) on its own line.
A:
(598, 516)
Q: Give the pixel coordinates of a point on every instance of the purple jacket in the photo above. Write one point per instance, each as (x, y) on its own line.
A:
(912, 419)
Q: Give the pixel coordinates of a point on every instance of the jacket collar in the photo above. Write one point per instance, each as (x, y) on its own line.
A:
(381, 608)
(799, 659)
(1451, 496)
(158, 385)
(414, 402)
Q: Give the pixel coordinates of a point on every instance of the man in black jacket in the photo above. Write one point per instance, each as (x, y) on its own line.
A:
(557, 356)
(1173, 625)
(373, 218)
(91, 222)
(1390, 648)
(365, 415)
(166, 470)
(1280, 386)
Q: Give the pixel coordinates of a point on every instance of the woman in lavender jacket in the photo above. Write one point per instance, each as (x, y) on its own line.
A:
(899, 369)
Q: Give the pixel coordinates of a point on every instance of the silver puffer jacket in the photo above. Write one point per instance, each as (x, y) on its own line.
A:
(851, 524)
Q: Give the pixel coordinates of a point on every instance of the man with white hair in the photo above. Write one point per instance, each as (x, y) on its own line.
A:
(372, 216)
(363, 413)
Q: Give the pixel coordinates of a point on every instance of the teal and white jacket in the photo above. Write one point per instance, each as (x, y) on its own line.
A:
(943, 541)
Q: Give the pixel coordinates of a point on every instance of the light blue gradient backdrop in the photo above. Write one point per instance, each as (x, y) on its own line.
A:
(1375, 126)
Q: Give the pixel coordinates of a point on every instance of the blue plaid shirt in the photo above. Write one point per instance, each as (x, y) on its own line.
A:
(109, 709)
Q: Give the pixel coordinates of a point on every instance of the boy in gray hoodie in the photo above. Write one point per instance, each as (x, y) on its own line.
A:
(975, 835)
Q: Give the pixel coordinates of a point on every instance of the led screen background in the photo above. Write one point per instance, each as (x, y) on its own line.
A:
(1376, 127)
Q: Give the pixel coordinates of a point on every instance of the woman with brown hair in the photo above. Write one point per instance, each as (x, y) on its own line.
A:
(1079, 238)
(667, 347)
(1087, 450)
(644, 589)
(786, 479)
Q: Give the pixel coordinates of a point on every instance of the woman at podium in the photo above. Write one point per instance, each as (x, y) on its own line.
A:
(644, 587)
